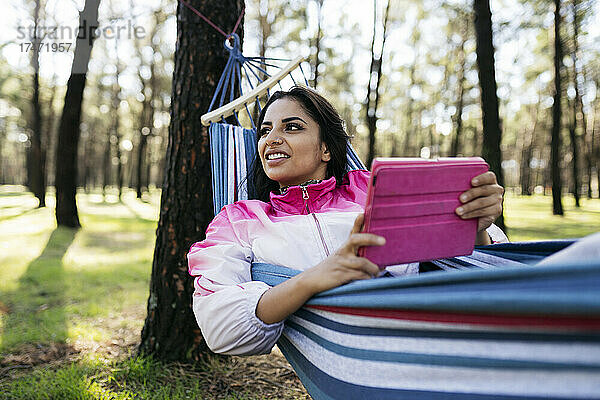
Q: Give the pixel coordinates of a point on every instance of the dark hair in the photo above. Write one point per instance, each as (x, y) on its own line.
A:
(331, 128)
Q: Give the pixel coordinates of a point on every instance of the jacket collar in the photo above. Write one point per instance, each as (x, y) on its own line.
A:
(304, 199)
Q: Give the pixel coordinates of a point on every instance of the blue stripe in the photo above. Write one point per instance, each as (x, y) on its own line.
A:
(216, 132)
(332, 388)
(219, 139)
(526, 252)
(442, 333)
(439, 360)
(549, 290)
(353, 161)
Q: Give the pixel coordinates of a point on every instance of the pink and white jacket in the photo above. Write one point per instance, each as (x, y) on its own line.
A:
(298, 230)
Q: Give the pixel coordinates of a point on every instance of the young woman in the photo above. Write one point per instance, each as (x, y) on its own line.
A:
(309, 218)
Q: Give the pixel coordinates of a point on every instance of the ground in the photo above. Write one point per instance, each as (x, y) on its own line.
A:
(73, 302)
(72, 305)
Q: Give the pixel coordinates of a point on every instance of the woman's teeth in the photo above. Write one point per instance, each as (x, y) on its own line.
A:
(275, 156)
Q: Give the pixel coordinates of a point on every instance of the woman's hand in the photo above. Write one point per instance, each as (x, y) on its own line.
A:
(344, 265)
(482, 201)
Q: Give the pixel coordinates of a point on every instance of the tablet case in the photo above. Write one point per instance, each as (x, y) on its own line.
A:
(411, 202)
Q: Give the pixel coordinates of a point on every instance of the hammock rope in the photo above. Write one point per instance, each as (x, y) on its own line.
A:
(208, 21)
(243, 71)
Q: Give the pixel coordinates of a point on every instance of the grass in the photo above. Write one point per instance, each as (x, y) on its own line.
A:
(140, 378)
(531, 218)
(72, 302)
(73, 285)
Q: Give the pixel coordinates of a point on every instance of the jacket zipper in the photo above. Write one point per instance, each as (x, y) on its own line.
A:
(306, 197)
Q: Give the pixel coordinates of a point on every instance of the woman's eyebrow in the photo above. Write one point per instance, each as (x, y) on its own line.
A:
(266, 123)
(292, 119)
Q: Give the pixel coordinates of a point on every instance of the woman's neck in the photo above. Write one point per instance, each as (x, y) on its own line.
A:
(284, 189)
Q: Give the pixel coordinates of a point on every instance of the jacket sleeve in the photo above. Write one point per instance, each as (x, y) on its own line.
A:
(225, 297)
(496, 234)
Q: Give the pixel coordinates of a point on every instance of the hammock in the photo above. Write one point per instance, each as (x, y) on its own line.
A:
(487, 326)
(509, 332)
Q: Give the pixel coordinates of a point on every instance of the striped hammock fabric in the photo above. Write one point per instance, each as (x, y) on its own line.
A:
(233, 150)
(513, 331)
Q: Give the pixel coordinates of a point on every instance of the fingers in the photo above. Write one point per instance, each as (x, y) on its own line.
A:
(481, 191)
(485, 208)
(357, 240)
(487, 178)
(358, 223)
(363, 268)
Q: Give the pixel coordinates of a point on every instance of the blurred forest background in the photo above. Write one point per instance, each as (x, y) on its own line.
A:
(428, 93)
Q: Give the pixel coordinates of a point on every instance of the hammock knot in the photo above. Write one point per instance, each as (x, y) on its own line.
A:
(232, 45)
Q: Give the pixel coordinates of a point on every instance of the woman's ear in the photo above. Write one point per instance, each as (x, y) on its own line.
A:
(325, 154)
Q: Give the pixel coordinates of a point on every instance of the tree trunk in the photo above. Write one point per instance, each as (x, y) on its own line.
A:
(141, 161)
(50, 136)
(372, 101)
(106, 164)
(492, 134)
(527, 154)
(410, 123)
(557, 207)
(37, 181)
(318, 43)
(116, 131)
(68, 131)
(575, 152)
(595, 145)
(88, 162)
(145, 130)
(460, 102)
(170, 331)
(146, 125)
(578, 106)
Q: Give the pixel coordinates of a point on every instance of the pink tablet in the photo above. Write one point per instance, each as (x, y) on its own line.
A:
(411, 202)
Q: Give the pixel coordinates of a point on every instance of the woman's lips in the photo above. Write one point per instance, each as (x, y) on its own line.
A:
(276, 162)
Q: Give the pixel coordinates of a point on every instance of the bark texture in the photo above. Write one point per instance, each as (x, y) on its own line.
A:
(170, 331)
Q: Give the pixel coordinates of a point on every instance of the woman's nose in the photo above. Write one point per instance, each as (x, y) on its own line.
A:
(273, 139)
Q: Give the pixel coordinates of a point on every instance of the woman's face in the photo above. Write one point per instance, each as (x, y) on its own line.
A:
(290, 146)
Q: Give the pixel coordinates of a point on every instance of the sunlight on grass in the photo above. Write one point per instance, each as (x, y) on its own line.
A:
(531, 218)
(88, 288)
(83, 286)
(136, 378)
(72, 286)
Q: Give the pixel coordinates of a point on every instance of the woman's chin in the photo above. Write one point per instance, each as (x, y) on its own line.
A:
(281, 177)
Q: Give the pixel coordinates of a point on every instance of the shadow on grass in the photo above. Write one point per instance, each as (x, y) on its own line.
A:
(11, 194)
(135, 212)
(6, 218)
(36, 308)
(116, 241)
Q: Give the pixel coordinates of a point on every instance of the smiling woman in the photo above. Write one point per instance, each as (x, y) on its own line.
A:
(308, 217)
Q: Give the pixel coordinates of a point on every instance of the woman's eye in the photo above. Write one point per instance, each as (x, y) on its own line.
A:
(264, 131)
(293, 127)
